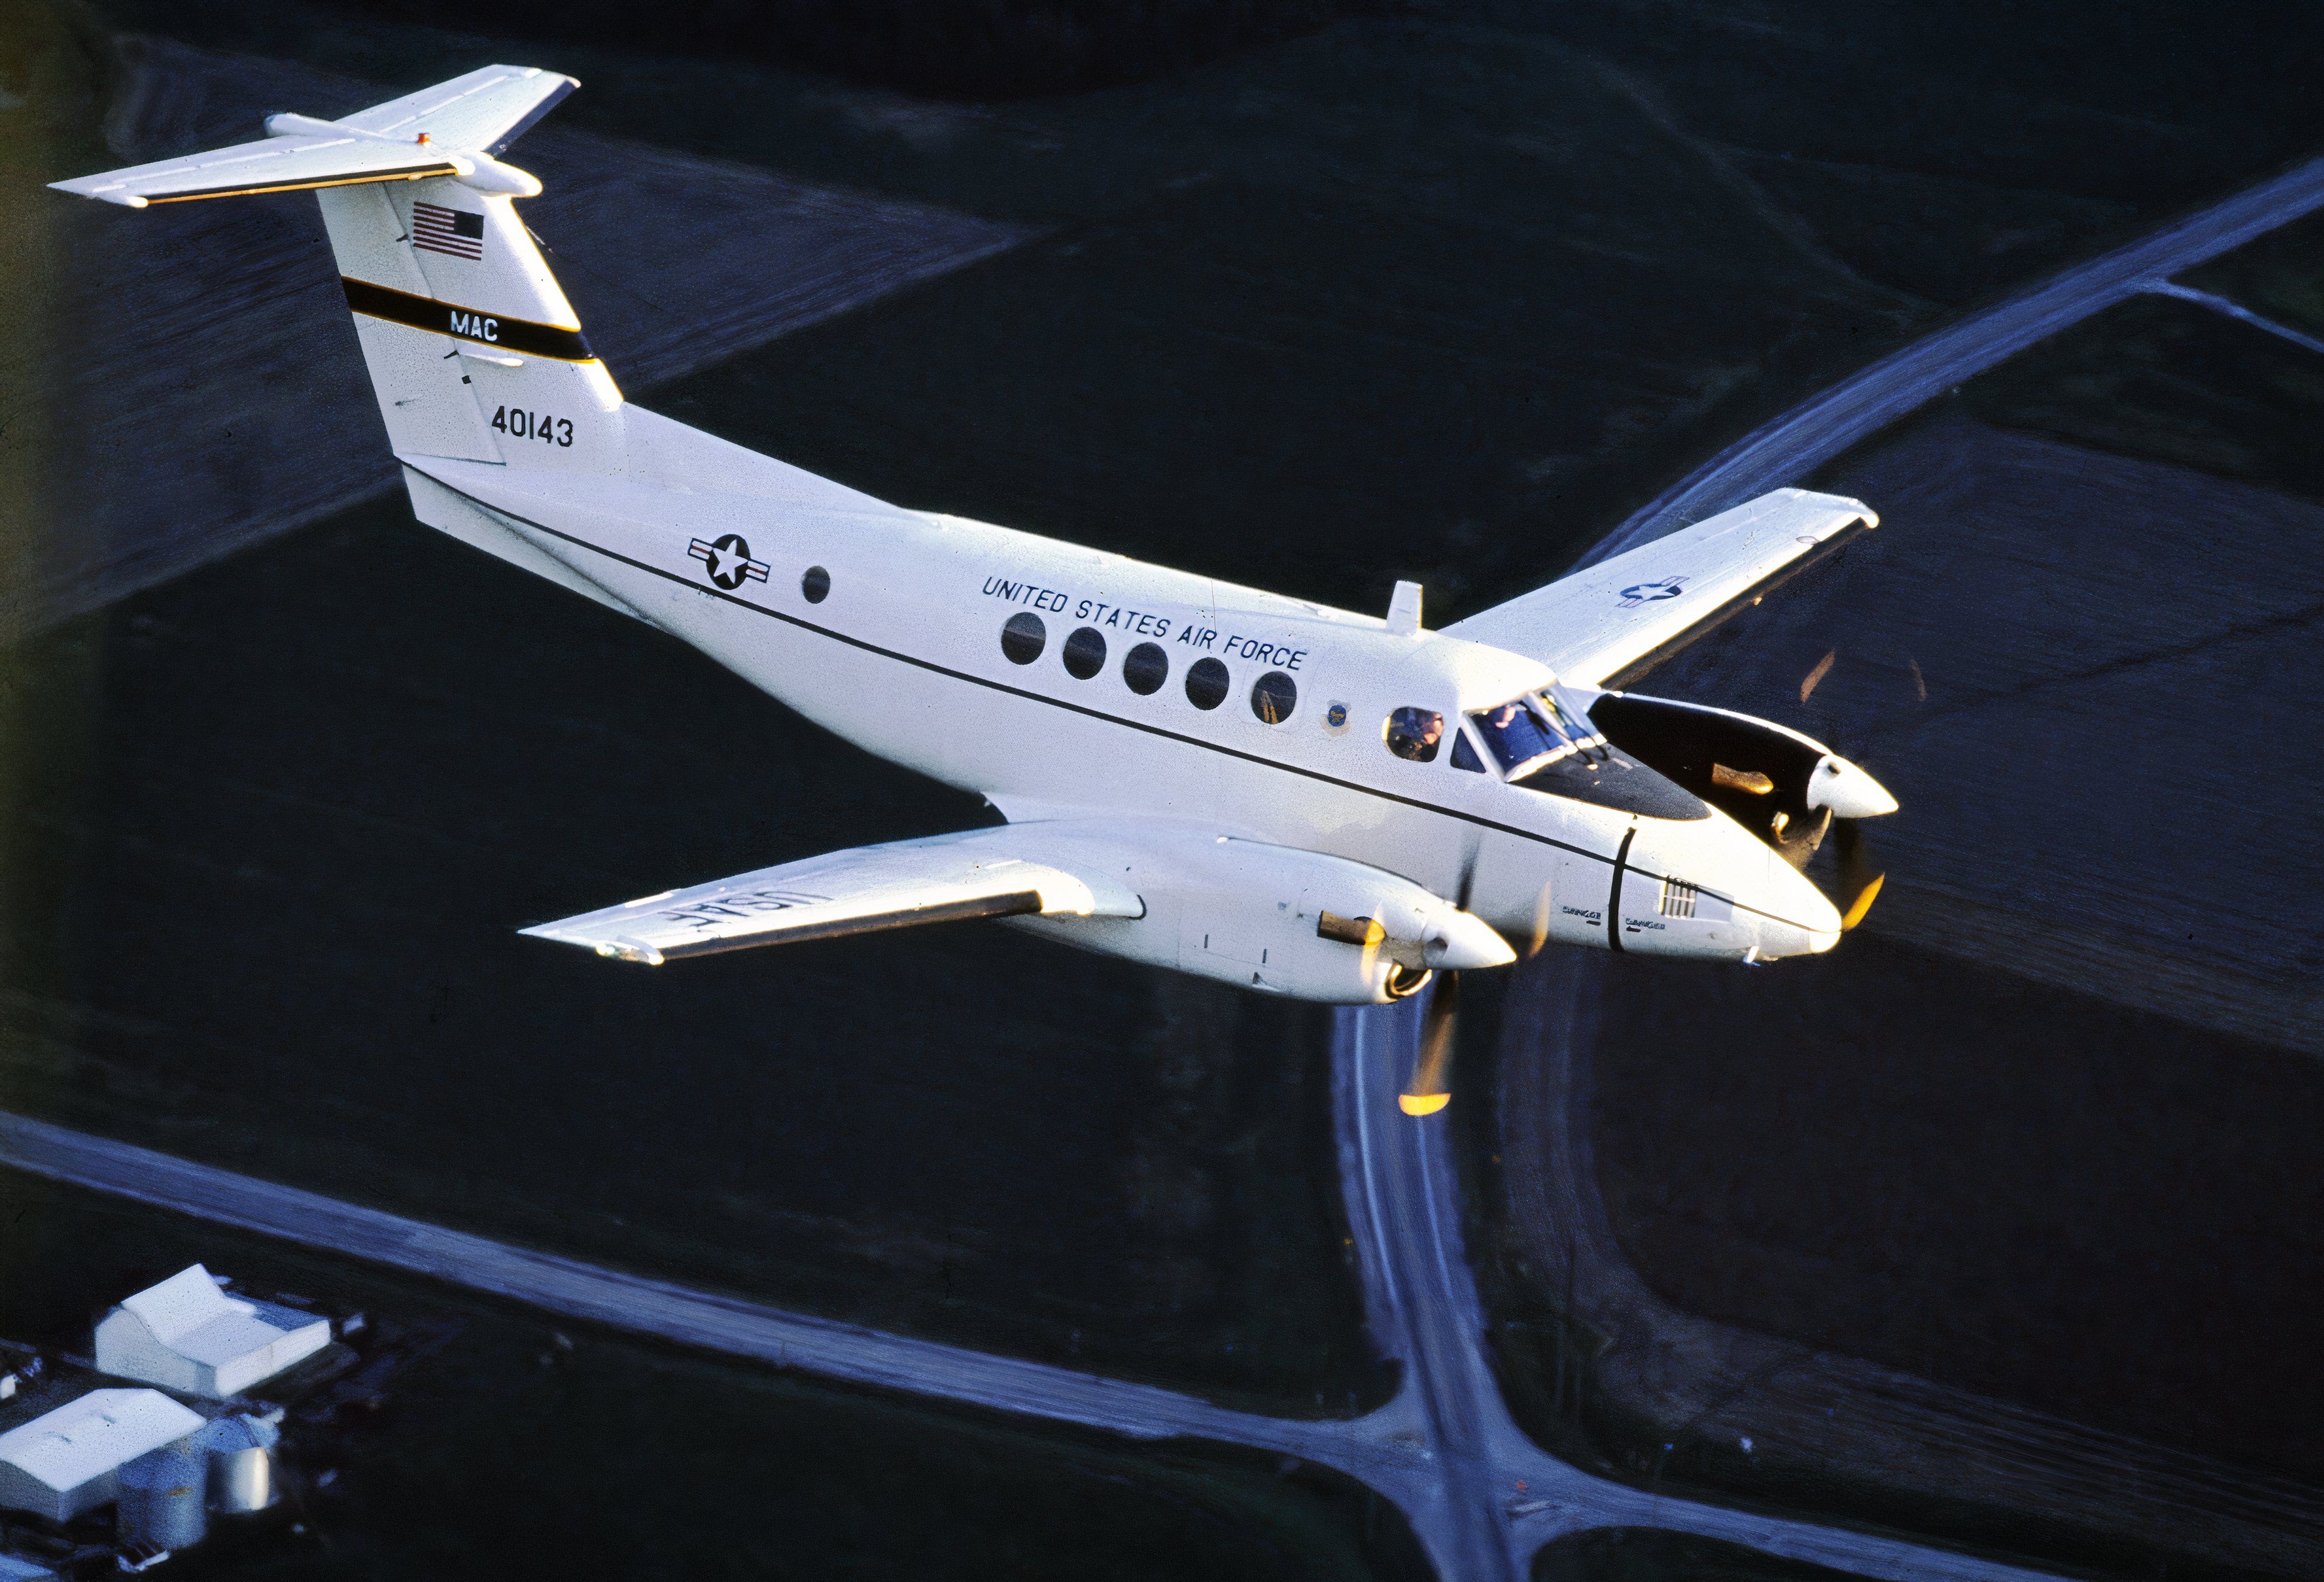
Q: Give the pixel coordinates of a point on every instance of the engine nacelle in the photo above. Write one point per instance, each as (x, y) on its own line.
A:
(1783, 787)
(1280, 920)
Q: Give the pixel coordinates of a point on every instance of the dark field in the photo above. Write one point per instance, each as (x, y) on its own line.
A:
(2041, 1133)
(517, 1451)
(2026, 1192)
(1442, 294)
(2169, 381)
(1642, 1554)
(289, 811)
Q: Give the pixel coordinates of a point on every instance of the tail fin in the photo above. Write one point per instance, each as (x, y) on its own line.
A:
(473, 349)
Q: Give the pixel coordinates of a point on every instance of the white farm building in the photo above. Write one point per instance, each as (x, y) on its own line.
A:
(188, 1334)
(66, 1461)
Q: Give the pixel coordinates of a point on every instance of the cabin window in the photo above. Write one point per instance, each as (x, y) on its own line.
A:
(1206, 684)
(816, 584)
(1415, 734)
(1145, 668)
(1464, 757)
(1023, 637)
(1273, 696)
(1084, 653)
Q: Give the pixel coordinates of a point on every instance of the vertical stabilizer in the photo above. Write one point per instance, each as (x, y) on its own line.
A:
(473, 350)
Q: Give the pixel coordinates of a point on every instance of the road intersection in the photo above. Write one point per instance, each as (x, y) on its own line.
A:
(1481, 1497)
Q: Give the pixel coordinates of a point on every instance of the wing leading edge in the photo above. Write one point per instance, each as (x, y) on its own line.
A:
(1610, 624)
(946, 878)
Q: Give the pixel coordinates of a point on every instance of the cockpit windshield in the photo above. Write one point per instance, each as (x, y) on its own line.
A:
(1528, 733)
(1545, 741)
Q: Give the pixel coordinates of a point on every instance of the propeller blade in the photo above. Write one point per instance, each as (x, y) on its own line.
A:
(1822, 668)
(1429, 1090)
(1859, 880)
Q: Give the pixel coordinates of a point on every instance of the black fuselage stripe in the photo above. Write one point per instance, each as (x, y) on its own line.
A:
(467, 324)
(1002, 686)
(1614, 897)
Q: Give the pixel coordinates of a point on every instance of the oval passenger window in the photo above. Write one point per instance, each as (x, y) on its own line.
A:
(816, 584)
(1023, 637)
(1415, 734)
(1206, 684)
(1273, 696)
(1084, 653)
(1145, 669)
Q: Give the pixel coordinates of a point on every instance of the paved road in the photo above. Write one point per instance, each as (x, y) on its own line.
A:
(1444, 1449)
(1496, 1496)
(2236, 311)
(1788, 448)
(1402, 1194)
(1479, 1494)
(1368, 1450)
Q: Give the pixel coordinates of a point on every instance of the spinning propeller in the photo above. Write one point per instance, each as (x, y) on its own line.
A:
(1859, 880)
(1849, 795)
(1431, 1089)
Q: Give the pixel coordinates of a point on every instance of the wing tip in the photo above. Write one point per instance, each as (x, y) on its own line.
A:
(84, 187)
(622, 949)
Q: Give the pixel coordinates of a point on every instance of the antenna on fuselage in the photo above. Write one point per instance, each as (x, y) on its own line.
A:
(1404, 611)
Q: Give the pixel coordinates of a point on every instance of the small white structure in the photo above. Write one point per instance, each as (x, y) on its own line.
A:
(188, 1334)
(66, 1461)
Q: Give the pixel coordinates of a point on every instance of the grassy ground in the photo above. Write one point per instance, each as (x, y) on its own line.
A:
(286, 812)
(516, 1449)
(1638, 1554)
(2033, 1194)
(2039, 1131)
(2167, 380)
(1436, 296)
(1439, 295)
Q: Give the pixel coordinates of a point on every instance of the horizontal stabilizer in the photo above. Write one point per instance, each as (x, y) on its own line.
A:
(453, 129)
(948, 878)
(1609, 623)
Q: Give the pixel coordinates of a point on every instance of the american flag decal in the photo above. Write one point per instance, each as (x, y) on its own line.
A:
(437, 229)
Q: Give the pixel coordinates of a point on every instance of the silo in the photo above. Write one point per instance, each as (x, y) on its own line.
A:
(241, 1463)
(162, 1498)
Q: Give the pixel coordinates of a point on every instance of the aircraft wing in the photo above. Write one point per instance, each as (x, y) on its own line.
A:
(489, 108)
(272, 164)
(1610, 623)
(947, 879)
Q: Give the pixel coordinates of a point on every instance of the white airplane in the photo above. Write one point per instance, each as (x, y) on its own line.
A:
(1299, 800)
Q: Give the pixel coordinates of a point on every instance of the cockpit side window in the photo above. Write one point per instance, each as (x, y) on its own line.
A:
(1464, 757)
(1414, 734)
(1568, 718)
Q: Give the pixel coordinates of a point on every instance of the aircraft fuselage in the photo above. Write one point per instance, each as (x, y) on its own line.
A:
(893, 630)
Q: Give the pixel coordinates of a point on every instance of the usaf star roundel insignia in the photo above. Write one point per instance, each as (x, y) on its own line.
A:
(728, 560)
(1638, 593)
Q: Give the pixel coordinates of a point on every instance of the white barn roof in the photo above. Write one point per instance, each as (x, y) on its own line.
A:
(188, 1334)
(63, 1462)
